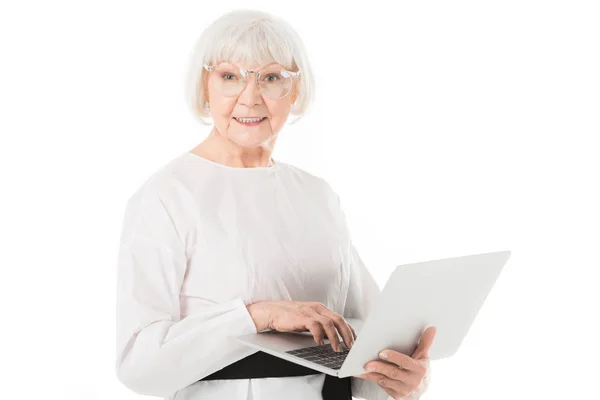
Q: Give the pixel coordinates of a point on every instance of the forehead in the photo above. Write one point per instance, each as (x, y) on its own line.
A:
(252, 66)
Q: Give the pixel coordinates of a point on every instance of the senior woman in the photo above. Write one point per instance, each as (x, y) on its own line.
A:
(223, 241)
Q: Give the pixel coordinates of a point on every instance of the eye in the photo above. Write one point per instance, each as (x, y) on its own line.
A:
(227, 76)
(274, 76)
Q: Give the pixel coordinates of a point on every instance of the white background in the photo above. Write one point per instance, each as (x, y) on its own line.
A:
(447, 128)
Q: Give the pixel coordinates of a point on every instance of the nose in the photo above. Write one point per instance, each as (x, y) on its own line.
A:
(250, 95)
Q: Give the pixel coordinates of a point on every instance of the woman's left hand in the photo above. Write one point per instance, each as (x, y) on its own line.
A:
(400, 375)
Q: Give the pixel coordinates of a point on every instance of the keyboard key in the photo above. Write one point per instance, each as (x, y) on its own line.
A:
(322, 355)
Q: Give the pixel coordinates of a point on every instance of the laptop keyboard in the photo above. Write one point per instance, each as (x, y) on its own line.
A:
(322, 355)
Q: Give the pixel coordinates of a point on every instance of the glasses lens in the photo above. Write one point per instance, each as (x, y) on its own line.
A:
(275, 82)
(229, 79)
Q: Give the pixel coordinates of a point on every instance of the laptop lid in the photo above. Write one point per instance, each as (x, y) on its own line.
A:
(447, 293)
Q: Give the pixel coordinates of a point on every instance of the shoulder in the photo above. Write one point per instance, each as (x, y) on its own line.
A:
(160, 195)
(154, 211)
(158, 184)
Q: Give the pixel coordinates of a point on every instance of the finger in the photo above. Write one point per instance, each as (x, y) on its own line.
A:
(392, 393)
(392, 372)
(373, 377)
(340, 323)
(425, 343)
(370, 376)
(316, 329)
(401, 360)
(394, 388)
(330, 330)
(354, 335)
(324, 325)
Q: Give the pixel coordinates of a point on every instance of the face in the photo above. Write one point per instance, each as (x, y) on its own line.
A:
(250, 102)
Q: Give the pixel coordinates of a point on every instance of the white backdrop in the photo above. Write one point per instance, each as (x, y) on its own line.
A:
(447, 128)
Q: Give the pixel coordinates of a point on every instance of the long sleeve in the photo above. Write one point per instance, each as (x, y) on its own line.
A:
(158, 352)
(363, 291)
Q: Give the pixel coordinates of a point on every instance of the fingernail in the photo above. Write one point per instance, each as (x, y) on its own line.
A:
(370, 368)
(383, 355)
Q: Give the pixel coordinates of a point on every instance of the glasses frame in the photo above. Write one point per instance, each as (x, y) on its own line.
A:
(257, 73)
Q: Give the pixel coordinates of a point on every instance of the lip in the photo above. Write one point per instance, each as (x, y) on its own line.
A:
(250, 124)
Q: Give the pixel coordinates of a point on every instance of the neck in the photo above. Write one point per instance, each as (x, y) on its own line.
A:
(223, 151)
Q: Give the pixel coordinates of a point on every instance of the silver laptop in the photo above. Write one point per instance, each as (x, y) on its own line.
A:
(447, 293)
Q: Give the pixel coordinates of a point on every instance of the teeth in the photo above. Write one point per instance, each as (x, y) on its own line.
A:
(248, 120)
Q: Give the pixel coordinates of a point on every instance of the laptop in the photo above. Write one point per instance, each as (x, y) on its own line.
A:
(447, 293)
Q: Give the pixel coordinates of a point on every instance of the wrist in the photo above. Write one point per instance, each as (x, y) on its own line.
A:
(259, 315)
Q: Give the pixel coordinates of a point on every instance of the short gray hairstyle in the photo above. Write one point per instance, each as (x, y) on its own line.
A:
(248, 36)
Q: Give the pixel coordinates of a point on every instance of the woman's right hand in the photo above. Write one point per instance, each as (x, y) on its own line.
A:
(302, 316)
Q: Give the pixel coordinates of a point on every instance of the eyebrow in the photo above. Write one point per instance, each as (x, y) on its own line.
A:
(256, 69)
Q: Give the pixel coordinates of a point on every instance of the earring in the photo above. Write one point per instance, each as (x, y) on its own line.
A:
(207, 105)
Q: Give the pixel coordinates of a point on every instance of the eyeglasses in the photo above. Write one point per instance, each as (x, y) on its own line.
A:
(273, 81)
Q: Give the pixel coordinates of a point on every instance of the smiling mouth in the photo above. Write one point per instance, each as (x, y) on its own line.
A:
(249, 121)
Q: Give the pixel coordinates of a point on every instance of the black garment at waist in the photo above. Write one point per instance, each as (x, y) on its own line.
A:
(264, 365)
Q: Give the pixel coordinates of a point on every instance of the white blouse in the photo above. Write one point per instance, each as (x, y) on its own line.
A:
(201, 241)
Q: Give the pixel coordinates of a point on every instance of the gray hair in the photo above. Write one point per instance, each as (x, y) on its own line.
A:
(248, 36)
